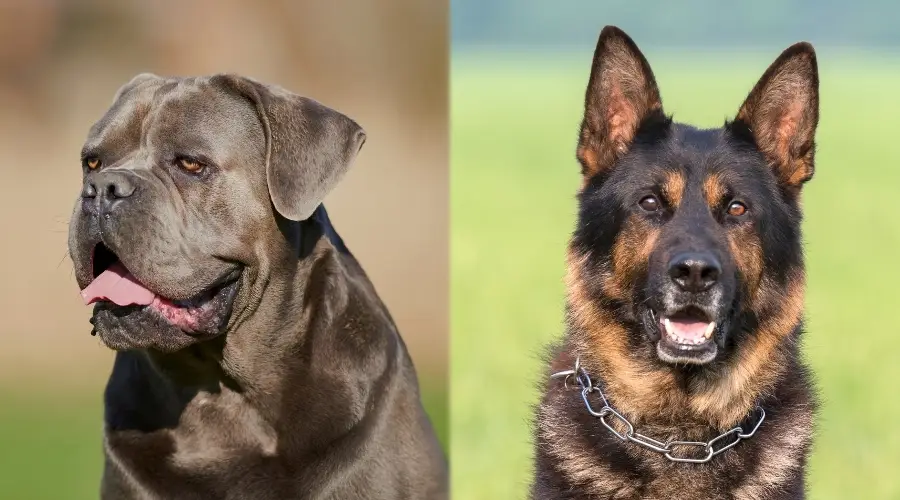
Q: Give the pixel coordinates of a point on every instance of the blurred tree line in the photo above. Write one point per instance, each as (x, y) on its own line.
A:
(677, 23)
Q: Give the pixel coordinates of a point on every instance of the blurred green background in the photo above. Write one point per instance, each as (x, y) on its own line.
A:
(61, 61)
(52, 440)
(516, 103)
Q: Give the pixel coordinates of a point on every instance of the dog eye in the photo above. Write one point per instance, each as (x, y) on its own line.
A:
(736, 209)
(189, 165)
(649, 204)
(92, 163)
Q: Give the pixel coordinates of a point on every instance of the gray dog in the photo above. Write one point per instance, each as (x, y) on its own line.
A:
(255, 359)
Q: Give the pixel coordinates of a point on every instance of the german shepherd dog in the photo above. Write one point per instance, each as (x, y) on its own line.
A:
(685, 283)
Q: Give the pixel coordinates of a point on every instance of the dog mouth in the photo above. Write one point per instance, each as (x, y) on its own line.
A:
(686, 336)
(115, 289)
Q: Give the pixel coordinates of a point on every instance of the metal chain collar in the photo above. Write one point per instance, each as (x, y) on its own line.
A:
(710, 448)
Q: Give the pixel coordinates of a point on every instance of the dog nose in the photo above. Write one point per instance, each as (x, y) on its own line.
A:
(105, 190)
(695, 272)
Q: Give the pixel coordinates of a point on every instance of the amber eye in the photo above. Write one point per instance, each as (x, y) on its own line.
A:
(190, 165)
(649, 204)
(92, 163)
(737, 209)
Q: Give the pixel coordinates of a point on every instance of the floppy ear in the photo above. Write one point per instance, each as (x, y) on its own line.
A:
(621, 94)
(782, 112)
(309, 146)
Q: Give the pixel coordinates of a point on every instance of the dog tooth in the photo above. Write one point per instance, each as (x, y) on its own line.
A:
(709, 329)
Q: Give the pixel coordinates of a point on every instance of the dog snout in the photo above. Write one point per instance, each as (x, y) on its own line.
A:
(102, 192)
(695, 272)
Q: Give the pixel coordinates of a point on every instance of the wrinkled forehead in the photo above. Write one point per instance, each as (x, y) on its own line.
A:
(195, 111)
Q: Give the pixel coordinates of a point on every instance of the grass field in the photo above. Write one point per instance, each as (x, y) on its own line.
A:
(513, 181)
(50, 446)
(50, 443)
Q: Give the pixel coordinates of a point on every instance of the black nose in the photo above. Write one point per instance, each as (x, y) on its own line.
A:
(695, 272)
(104, 190)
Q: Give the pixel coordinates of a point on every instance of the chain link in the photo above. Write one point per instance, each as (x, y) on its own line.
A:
(579, 378)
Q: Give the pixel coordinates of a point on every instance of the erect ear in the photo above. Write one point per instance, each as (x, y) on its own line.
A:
(782, 112)
(309, 146)
(621, 94)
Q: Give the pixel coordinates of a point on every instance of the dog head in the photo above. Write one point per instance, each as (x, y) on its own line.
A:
(185, 182)
(691, 237)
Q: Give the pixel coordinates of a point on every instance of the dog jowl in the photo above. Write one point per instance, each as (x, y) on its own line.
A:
(685, 288)
(159, 243)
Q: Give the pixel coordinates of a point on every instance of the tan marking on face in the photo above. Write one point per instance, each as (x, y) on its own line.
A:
(713, 190)
(758, 363)
(746, 248)
(630, 254)
(642, 390)
(637, 387)
(673, 188)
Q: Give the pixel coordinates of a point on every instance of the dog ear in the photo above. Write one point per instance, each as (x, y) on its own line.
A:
(782, 112)
(621, 94)
(309, 146)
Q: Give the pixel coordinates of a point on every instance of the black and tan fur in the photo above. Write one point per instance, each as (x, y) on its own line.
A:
(616, 281)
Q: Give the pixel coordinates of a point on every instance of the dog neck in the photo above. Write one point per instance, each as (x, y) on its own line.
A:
(308, 359)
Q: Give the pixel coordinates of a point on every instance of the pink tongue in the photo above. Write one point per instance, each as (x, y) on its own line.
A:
(117, 285)
(688, 329)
